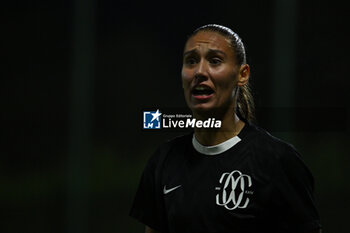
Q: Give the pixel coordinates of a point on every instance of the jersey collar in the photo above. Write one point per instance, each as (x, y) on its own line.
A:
(217, 149)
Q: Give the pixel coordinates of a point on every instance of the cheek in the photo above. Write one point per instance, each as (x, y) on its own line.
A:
(225, 83)
(225, 80)
(186, 78)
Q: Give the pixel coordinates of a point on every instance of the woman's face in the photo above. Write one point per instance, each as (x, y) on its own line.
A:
(210, 74)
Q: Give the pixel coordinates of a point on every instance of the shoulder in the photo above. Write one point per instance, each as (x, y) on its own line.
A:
(283, 156)
(270, 148)
(171, 146)
(178, 142)
(262, 140)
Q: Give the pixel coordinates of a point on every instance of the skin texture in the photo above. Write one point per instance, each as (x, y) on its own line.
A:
(209, 61)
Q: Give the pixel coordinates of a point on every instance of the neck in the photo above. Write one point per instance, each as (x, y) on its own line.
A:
(231, 125)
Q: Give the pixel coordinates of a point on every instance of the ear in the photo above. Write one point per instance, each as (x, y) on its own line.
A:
(243, 75)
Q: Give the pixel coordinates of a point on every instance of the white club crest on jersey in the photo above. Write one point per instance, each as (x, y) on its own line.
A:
(233, 190)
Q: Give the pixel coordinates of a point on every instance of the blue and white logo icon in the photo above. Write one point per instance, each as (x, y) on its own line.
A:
(151, 120)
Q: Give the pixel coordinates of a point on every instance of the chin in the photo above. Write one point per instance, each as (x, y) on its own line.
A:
(208, 110)
(202, 109)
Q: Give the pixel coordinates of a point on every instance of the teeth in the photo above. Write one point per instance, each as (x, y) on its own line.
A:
(201, 88)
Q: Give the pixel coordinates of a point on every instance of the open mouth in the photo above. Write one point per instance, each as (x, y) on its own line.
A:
(202, 91)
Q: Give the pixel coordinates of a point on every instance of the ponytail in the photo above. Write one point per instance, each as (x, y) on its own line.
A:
(245, 104)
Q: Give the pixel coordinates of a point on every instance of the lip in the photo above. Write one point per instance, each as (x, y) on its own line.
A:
(202, 97)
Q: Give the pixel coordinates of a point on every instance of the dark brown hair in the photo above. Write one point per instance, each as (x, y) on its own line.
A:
(245, 101)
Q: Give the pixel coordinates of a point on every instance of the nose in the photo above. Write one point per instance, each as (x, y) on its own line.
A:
(201, 72)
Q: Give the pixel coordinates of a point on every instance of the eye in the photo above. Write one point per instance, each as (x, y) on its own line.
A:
(215, 61)
(190, 60)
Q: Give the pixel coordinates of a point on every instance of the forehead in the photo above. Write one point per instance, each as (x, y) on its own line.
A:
(210, 40)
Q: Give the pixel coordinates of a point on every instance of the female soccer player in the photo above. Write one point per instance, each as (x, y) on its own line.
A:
(237, 178)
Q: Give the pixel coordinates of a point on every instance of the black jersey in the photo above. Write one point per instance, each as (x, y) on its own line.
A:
(259, 185)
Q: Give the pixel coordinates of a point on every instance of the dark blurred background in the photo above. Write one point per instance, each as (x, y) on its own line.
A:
(76, 75)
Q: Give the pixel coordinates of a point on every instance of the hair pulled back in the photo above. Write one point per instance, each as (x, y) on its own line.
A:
(245, 101)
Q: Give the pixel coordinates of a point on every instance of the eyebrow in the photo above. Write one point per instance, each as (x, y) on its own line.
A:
(210, 51)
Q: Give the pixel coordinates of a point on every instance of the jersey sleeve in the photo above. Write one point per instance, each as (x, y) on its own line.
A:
(148, 205)
(293, 201)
